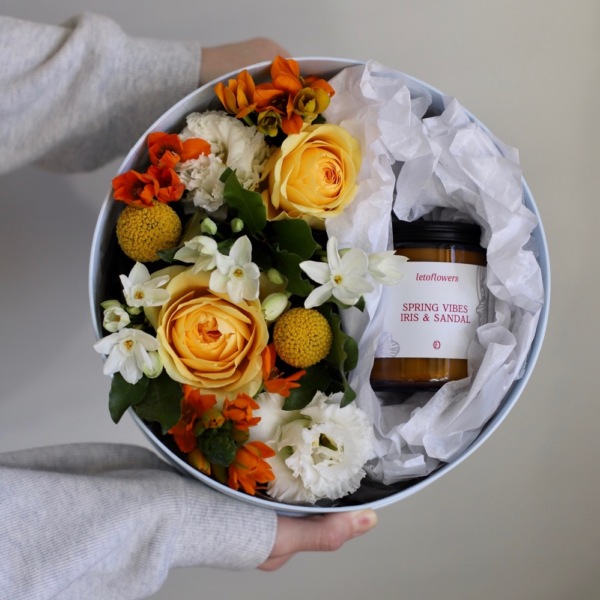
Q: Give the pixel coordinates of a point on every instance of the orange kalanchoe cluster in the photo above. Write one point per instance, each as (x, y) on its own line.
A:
(215, 439)
(285, 103)
(273, 380)
(160, 182)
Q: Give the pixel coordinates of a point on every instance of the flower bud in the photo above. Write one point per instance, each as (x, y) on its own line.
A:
(198, 461)
(156, 368)
(275, 277)
(212, 419)
(268, 123)
(208, 226)
(237, 225)
(274, 305)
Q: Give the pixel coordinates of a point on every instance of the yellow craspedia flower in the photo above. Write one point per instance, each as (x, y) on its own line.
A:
(302, 337)
(141, 232)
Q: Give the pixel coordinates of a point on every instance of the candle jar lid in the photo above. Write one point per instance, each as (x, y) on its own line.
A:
(422, 230)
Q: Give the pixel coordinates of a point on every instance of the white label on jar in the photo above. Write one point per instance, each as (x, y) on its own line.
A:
(433, 311)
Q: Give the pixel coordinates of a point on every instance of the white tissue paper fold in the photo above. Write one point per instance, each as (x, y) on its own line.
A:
(444, 166)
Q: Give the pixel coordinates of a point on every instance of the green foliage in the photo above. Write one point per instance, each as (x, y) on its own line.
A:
(156, 399)
(247, 205)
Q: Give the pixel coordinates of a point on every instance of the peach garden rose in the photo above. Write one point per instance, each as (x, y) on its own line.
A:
(313, 175)
(206, 340)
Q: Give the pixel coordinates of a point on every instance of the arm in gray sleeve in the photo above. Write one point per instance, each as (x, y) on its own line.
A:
(73, 97)
(109, 521)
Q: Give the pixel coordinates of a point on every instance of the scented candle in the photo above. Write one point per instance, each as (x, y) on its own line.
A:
(432, 315)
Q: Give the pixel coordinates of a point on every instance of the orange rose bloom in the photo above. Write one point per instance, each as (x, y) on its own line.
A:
(312, 176)
(249, 469)
(206, 340)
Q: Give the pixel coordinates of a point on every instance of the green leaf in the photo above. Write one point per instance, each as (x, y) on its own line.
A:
(343, 355)
(168, 255)
(122, 395)
(294, 235)
(317, 378)
(289, 264)
(162, 402)
(248, 205)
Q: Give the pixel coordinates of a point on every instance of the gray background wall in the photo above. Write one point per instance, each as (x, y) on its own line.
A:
(519, 518)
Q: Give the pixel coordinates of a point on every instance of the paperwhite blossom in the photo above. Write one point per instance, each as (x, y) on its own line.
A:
(386, 267)
(115, 317)
(322, 452)
(141, 289)
(343, 277)
(235, 274)
(127, 353)
(233, 144)
(201, 251)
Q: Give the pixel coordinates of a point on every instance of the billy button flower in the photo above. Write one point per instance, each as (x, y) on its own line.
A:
(142, 232)
(302, 337)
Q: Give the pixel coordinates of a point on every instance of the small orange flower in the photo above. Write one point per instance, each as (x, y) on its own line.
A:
(271, 375)
(137, 189)
(167, 149)
(238, 97)
(249, 470)
(170, 187)
(193, 406)
(240, 411)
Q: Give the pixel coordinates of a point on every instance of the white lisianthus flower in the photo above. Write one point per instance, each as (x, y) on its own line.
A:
(324, 450)
(115, 317)
(386, 267)
(272, 417)
(233, 145)
(201, 251)
(127, 353)
(235, 274)
(343, 277)
(141, 289)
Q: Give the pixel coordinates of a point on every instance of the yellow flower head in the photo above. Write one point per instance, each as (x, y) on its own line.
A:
(302, 337)
(141, 232)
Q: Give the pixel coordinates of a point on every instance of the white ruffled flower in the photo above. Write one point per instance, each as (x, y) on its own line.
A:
(128, 353)
(272, 417)
(201, 251)
(235, 274)
(321, 453)
(343, 277)
(141, 289)
(386, 267)
(233, 145)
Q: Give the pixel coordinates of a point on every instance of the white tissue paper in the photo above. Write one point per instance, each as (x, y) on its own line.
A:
(445, 166)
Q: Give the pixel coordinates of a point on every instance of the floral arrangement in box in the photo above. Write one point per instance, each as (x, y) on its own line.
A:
(227, 332)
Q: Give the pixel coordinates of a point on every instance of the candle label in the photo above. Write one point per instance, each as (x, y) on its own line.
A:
(433, 311)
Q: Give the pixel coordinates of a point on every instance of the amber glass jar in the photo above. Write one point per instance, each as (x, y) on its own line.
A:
(430, 317)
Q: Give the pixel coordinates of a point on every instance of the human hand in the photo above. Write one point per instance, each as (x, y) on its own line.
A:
(321, 533)
(218, 60)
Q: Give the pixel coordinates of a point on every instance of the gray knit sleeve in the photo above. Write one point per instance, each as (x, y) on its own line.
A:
(73, 97)
(109, 521)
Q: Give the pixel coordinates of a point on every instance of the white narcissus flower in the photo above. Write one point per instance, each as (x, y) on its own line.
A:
(201, 251)
(115, 318)
(321, 453)
(141, 289)
(235, 274)
(386, 267)
(343, 277)
(128, 353)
